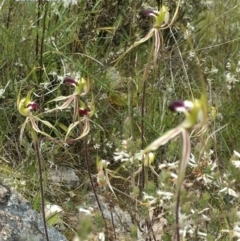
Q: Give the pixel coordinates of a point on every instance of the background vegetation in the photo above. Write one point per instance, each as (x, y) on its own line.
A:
(83, 38)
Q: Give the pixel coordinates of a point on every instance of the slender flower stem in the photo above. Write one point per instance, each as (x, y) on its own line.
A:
(91, 180)
(36, 145)
(38, 23)
(42, 42)
(143, 110)
(177, 233)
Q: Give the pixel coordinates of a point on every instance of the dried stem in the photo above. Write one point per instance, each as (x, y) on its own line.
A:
(91, 179)
(177, 233)
(36, 145)
(38, 24)
(42, 42)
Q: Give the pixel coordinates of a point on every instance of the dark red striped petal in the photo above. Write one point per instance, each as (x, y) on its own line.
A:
(83, 112)
(70, 81)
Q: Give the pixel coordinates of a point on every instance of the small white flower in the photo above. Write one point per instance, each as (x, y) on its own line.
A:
(192, 161)
(96, 146)
(103, 96)
(236, 164)
(85, 211)
(169, 166)
(236, 153)
(121, 155)
(235, 160)
(206, 70)
(214, 70)
(148, 197)
(228, 65)
(236, 230)
(165, 195)
(191, 55)
(2, 91)
(67, 3)
(207, 179)
(232, 193)
(45, 85)
(109, 144)
(231, 78)
(229, 191)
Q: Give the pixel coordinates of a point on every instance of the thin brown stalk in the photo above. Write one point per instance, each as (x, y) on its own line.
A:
(42, 42)
(36, 145)
(38, 24)
(91, 179)
(9, 14)
(177, 230)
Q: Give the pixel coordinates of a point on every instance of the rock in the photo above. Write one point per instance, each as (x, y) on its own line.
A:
(64, 176)
(121, 218)
(19, 222)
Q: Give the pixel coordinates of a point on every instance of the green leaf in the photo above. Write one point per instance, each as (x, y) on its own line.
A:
(36, 202)
(55, 219)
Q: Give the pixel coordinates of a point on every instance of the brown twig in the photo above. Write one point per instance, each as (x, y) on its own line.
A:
(36, 145)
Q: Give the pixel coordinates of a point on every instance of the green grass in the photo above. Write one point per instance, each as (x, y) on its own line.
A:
(84, 39)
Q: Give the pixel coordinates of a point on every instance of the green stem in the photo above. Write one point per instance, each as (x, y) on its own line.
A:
(143, 110)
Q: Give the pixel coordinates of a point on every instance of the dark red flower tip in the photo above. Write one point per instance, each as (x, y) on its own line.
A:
(33, 106)
(175, 105)
(83, 112)
(70, 81)
(148, 12)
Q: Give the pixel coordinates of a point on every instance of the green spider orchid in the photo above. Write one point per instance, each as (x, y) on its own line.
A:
(84, 115)
(105, 174)
(81, 88)
(148, 160)
(161, 22)
(25, 107)
(196, 117)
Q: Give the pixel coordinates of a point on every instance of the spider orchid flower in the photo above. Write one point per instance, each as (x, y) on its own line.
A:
(104, 174)
(81, 88)
(195, 117)
(161, 22)
(161, 17)
(25, 107)
(84, 115)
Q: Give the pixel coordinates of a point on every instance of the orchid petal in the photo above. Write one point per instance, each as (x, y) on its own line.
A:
(148, 36)
(164, 139)
(69, 98)
(70, 81)
(157, 45)
(22, 129)
(149, 12)
(86, 130)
